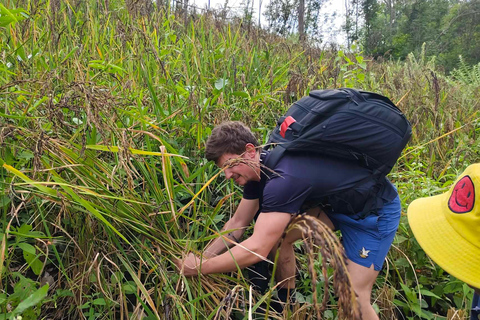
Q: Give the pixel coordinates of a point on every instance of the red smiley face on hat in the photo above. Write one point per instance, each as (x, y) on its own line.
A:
(463, 196)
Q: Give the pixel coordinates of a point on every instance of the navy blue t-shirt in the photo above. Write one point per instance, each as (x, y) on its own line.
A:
(306, 180)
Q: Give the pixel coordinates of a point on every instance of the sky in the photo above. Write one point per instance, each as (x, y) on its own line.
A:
(333, 24)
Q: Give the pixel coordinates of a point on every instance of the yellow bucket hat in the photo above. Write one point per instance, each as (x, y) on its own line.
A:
(447, 226)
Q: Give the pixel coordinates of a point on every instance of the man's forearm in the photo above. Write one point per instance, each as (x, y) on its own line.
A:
(243, 255)
(268, 230)
(241, 219)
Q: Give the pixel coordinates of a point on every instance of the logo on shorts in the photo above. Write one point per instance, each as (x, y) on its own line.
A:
(364, 253)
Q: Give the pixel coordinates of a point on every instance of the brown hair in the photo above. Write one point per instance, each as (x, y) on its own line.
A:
(228, 137)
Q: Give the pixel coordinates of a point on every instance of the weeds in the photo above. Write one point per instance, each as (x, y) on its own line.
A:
(105, 109)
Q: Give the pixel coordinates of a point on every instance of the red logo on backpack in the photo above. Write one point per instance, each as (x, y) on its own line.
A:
(285, 124)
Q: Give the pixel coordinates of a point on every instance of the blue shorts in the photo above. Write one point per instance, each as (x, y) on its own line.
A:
(475, 312)
(367, 241)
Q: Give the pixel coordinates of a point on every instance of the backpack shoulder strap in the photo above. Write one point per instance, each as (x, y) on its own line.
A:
(369, 207)
(275, 155)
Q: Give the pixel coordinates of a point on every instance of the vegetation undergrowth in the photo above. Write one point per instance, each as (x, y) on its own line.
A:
(105, 108)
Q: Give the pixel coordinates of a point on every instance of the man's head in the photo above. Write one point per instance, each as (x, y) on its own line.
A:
(234, 147)
(447, 226)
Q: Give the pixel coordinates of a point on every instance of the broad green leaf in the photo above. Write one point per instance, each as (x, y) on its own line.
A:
(21, 53)
(221, 83)
(63, 293)
(113, 68)
(181, 90)
(400, 239)
(33, 262)
(5, 21)
(129, 287)
(409, 293)
(242, 94)
(34, 299)
(99, 302)
(402, 262)
(4, 200)
(27, 248)
(7, 12)
(425, 292)
(96, 66)
(24, 229)
(25, 155)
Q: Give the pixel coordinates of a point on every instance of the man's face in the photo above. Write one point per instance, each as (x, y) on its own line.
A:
(240, 168)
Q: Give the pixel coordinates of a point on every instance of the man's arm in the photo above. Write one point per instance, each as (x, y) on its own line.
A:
(244, 214)
(268, 230)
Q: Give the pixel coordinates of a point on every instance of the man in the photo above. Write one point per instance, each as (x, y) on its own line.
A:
(301, 182)
(447, 227)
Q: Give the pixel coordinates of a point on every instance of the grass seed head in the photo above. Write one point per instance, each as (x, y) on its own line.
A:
(319, 238)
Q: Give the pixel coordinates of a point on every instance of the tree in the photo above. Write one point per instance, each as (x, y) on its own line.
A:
(460, 35)
(283, 16)
(398, 27)
(353, 17)
(369, 9)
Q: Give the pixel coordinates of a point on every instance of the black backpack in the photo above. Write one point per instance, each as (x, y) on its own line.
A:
(364, 127)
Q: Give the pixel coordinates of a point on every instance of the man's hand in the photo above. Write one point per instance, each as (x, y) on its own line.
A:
(189, 266)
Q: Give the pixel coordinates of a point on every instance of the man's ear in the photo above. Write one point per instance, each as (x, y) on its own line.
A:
(250, 150)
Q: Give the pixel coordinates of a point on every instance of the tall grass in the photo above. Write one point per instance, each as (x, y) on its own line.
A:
(105, 109)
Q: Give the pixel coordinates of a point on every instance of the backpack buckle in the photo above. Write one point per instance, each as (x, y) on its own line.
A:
(285, 124)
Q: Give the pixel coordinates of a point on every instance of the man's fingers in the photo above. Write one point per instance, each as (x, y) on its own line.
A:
(187, 266)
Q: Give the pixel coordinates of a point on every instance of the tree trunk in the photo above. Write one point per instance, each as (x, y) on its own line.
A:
(259, 12)
(356, 20)
(347, 23)
(301, 19)
(185, 12)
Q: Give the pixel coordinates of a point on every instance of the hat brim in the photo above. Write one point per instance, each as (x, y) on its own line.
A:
(452, 252)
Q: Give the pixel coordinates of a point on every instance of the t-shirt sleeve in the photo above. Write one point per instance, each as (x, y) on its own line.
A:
(285, 194)
(252, 190)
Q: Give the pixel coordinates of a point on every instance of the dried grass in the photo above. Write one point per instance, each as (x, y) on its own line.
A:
(319, 238)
